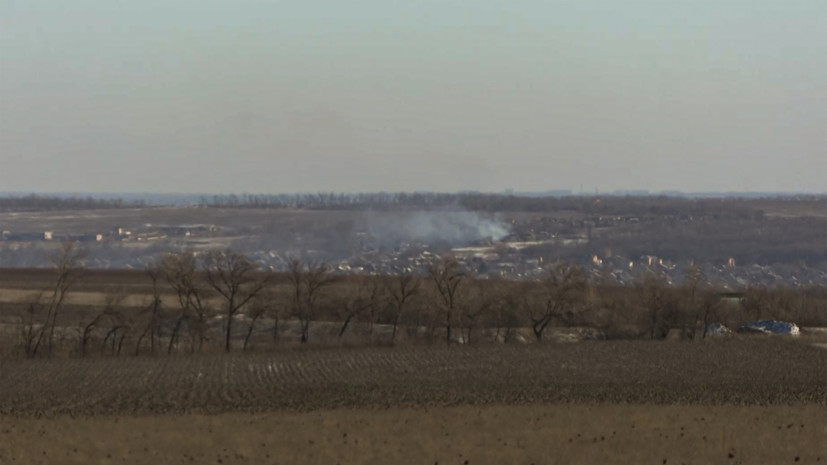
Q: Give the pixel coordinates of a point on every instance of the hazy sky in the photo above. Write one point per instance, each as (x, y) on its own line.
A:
(368, 95)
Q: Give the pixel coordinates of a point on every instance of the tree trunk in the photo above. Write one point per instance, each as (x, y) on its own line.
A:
(395, 325)
(106, 339)
(249, 334)
(276, 329)
(344, 325)
(653, 322)
(41, 333)
(87, 334)
(201, 326)
(148, 329)
(229, 331)
(174, 337)
(539, 326)
(120, 342)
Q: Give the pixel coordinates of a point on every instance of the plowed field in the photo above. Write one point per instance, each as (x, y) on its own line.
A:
(750, 371)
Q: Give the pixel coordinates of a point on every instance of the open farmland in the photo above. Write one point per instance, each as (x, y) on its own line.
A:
(469, 434)
(642, 385)
(735, 401)
(757, 371)
(744, 399)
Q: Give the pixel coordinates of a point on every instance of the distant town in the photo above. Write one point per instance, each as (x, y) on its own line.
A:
(614, 239)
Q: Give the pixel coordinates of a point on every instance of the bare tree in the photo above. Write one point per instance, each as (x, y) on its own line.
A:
(276, 309)
(88, 329)
(709, 309)
(257, 309)
(691, 287)
(307, 281)
(120, 328)
(233, 275)
(402, 289)
(31, 328)
(68, 262)
(757, 302)
(153, 327)
(180, 272)
(109, 312)
(376, 300)
(446, 275)
(653, 293)
(505, 314)
(564, 289)
(481, 302)
(428, 316)
(355, 301)
(694, 276)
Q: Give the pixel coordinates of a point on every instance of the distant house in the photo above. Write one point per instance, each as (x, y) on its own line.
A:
(651, 260)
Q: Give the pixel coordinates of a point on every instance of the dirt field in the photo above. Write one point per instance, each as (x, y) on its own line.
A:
(742, 400)
(491, 434)
(757, 372)
(754, 400)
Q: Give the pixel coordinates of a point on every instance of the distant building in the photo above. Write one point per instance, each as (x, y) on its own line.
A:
(650, 260)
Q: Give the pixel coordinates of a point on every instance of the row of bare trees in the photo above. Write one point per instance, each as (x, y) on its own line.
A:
(193, 294)
(40, 320)
(230, 275)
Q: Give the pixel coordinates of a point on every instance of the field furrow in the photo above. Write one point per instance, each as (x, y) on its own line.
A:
(757, 371)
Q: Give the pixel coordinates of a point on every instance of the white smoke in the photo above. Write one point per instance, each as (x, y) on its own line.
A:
(454, 227)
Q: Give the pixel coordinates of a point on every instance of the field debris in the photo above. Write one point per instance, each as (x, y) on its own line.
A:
(717, 330)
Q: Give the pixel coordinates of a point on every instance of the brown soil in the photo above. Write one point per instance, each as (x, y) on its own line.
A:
(755, 371)
(491, 434)
(756, 400)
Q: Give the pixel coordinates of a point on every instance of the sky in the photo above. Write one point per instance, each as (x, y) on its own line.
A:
(276, 96)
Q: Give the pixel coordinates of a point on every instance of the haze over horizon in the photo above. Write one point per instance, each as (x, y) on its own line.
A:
(268, 97)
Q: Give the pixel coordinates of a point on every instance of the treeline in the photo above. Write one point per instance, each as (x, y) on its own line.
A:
(764, 241)
(220, 299)
(716, 208)
(34, 202)
(642, 206)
